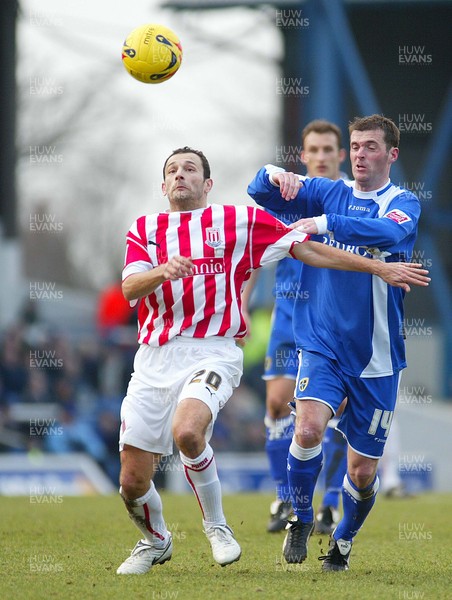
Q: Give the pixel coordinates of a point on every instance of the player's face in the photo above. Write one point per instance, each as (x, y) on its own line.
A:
(184, 182)
(371, 160)
(321, 155)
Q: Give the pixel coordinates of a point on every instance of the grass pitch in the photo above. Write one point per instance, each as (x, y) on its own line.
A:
(71, 549)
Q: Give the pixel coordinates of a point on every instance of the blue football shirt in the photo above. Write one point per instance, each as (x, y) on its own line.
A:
(354, 318)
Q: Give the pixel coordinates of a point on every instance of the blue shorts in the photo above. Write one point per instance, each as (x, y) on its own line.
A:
(368, 414)
(281, 359)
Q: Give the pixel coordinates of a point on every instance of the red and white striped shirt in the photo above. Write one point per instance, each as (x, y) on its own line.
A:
(225, 243)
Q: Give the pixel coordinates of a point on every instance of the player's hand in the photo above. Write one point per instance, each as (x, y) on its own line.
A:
(289, 184)
(305, 226)
(403, 274)
(177, 267)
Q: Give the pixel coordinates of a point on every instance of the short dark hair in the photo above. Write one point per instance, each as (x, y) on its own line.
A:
(322, 126)
(391, 133)
(188, 150)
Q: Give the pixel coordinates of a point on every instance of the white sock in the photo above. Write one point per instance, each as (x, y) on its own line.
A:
(201, 474)
(146, 513)
(304, 453)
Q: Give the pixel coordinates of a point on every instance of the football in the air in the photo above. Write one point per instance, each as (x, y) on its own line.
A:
(152, 53)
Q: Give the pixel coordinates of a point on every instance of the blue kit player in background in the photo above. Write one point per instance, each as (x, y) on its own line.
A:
(322, 154)
(349, 328)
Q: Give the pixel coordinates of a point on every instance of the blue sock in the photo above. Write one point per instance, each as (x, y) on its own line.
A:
(335, 465)
(279, 434)
(357, 505)
(303, 468)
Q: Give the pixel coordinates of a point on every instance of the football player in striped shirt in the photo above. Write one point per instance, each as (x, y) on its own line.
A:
(349, 329)
(186, 268)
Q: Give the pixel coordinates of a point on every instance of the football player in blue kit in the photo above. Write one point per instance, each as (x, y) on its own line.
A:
(348, 328)
(322, 154)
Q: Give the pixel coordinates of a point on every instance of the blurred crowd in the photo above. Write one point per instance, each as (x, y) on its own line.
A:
(59, 394)
(61, 391)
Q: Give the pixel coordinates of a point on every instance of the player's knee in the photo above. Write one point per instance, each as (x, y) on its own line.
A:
(276, 407)
(187, 438)
(133, 485)
(308, 435)
(362, 475)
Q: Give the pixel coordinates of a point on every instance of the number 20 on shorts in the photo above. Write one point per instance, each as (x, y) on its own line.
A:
(211, 379)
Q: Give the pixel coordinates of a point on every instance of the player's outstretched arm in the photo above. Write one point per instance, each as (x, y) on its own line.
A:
(400, 275)
(139, 285)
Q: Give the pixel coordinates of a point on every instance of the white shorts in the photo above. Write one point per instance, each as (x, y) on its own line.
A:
(206, 369)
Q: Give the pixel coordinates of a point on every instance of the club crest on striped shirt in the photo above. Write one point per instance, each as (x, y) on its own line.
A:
(213, 237)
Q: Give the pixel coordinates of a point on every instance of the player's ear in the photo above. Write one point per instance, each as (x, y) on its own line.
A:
(163, 189)
(342, 155)
(208, 183)
(303, 157)
(393, 154)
